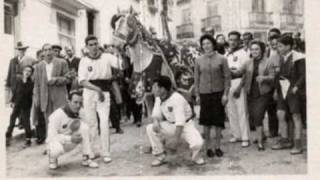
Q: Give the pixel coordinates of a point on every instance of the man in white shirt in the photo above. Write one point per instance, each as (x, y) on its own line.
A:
(95, 76)
(236, 107)
(172, 117)
(66, 130)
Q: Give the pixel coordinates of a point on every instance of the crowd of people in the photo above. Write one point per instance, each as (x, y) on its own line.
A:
(237, 79)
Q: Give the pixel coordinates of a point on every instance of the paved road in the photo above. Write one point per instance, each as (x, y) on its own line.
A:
(128, 160)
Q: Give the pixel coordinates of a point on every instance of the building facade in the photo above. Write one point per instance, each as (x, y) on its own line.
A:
(193, 17)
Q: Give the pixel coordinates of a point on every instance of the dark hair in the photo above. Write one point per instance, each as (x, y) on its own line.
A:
(261, 45)
(218, 35)
(210, 38)
(286, 40)
(89, 38)
(276, 36)
(235, 33)
(73, 93)
(29, 66)
(276, 30)
(248, 34)
(38, 52)
(164, 81)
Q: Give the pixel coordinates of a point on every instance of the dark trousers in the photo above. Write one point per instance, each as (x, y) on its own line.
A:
(41, 125)
(24, 115)
(273, 118)
(135, 109)
(115, 114)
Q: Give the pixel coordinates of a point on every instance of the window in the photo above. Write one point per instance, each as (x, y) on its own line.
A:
(8, 18)
(186, 16)
(289, 6)
(66, 30)
(258, 6)
(212, 8)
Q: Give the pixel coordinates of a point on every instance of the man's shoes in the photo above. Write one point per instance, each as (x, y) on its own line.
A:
(119, 131)
(147, 150)
(199, 161)
(297, 149)
(138, 124)
(27, 143)
(107, 159)
(86, 161)
(260, 147)
(219, 152)
(210, 153)
(245, 144)
(40, 141)
(53, 163)
(234, 140)
(160, 160)
(283, 143)
(8, 142)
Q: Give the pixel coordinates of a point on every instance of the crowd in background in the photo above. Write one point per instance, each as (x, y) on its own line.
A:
(237, 78)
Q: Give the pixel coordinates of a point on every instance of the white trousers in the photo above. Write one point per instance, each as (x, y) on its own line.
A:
(92, 106)
(58, 147)
(236, 110)
(190, 134)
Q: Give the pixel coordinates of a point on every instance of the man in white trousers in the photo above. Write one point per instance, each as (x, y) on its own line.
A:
(66, 130)
(95, 76)
(236, 108)
(172, 118)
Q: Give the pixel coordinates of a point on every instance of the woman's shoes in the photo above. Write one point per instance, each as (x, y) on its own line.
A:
(219, 152)
(210, 153)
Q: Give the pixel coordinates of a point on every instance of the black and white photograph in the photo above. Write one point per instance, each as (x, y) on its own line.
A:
(136, 88)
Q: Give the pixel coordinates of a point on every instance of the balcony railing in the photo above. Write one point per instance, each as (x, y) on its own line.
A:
(183, 1)
(258, 19)
(185, 31)
(211, 22)
(291, 20)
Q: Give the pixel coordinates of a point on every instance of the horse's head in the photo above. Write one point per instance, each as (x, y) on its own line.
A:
(125, 25)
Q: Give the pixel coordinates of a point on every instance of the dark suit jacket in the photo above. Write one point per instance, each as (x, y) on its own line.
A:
(57, 93)
(15, 70)
(266, 69)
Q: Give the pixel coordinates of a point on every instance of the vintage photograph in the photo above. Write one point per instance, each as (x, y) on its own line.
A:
(105, 88)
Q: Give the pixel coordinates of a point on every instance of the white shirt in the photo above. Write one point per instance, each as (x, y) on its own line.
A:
(49, 67)
(91, 69)
(59, 126)
(175, 109)
(237, 59)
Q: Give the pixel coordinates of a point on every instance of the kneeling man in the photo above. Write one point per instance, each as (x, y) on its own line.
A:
(66, 130)
(172, 117)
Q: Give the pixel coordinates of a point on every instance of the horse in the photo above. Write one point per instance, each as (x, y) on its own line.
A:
(150, 57)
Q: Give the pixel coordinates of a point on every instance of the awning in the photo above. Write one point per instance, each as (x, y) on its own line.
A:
(80, 4)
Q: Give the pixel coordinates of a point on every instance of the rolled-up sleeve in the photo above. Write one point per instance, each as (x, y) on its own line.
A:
(115, 62)
(156, 112)
(82, 71)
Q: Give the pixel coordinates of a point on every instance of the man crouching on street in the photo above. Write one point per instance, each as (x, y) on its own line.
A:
(172, 117)
(66, 130)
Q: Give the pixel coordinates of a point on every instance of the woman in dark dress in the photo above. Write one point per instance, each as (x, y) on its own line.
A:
(212, 84)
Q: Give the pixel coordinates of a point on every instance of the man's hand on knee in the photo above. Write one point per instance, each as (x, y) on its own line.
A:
(76, 138)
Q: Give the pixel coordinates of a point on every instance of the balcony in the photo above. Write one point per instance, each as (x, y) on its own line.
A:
(211, 22)
(291, 20)
(185, 31)
(179, 2)
(260, 19)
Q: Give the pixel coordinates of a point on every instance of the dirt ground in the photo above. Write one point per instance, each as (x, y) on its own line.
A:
(129, 160)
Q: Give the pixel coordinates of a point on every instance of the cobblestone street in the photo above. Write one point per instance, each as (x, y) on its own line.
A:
(129, 160)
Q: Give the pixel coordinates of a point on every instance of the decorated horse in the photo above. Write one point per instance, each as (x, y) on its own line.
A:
(150, 57)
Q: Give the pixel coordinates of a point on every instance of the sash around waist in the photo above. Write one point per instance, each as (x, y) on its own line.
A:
(103, 84)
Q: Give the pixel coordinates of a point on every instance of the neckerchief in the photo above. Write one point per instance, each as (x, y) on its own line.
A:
(69, 112)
